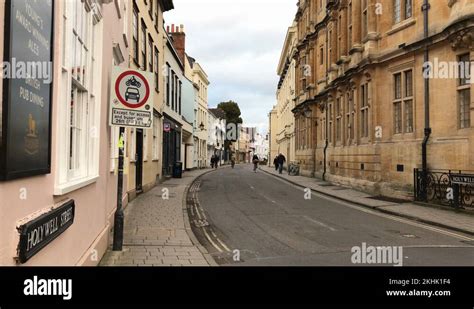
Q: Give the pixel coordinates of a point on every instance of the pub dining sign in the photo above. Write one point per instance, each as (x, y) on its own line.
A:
(25, 133)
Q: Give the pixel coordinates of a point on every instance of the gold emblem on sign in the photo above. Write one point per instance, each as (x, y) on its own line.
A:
(31, 138)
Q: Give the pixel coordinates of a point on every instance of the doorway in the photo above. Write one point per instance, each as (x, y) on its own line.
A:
(139, 162)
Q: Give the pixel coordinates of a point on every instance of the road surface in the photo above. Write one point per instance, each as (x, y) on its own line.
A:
(247, 218)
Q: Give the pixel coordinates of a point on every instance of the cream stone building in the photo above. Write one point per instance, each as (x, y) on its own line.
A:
(284, 121)
(366, 116)
(201, 82)
(147, 40)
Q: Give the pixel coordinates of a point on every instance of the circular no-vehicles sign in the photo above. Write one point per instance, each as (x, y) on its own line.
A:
(132, 90)
(131, 102)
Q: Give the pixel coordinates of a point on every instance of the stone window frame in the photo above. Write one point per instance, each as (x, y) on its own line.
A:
(365, 18)
(339, 119)
(349, 26)
(350, 114)
(463, 118)
(364, 109)
(404, 9)
(403, 101)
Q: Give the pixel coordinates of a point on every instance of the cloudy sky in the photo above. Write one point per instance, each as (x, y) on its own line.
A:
(238, 43)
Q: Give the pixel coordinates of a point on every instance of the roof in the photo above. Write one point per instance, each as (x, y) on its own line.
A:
(167, 5)
(218, 112)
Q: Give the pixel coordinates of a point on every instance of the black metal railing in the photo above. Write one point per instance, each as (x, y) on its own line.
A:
(445, 187)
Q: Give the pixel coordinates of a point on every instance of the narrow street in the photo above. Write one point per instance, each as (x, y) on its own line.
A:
(270, 223)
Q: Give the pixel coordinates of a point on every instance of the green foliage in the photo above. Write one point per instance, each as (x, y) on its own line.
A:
(233, 115)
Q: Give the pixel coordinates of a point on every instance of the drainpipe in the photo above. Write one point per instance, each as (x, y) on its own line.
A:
(326, 108)
(427, 131)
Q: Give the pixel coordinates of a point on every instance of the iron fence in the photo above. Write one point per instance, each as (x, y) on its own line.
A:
(445, 187)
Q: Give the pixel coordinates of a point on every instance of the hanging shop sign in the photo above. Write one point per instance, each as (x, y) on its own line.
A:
(132, 99)
(25, 133)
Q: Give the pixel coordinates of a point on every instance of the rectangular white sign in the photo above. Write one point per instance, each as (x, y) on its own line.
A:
(131, 103)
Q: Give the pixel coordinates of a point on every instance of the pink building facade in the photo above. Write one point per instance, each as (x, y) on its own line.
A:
(65, 211)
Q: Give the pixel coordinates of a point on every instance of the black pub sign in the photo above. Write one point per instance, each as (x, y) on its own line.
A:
(27, 74)
(38, 233)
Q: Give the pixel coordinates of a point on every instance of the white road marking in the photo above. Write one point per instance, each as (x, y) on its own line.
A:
(383, 215)
(320, 223)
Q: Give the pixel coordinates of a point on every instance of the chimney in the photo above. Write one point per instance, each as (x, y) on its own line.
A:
(172, 28)
(179, 42)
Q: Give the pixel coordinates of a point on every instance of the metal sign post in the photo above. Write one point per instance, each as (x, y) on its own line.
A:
(131, 106)
(118, 218)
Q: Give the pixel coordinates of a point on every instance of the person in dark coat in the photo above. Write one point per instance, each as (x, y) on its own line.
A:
(281, 162)
(275, 162)
(255, 161)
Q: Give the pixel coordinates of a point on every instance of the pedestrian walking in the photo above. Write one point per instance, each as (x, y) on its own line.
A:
(281, 162)
(212, 161)
(275, 162)
(255, 161)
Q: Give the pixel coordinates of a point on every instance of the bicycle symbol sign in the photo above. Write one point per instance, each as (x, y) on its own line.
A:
(131, 101)
(132, 89)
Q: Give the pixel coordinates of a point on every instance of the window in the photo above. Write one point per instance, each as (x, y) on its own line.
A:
(365, 19)
(408, 9)
(179, 97)
(321, 56)
(157, 22)
(175, 93)
(338, 119)
(464, 93)
(403, 102)
(157, 74)
(330, 122)
(349, 26)
(408, 101)
(402, 9)
(364, 111)
(150, 54)
(78, 146)
(350, 117)
(143, 47)
(168, 73)
(172, 90)
(397, 11)
(135, 34)
(339, 36)
(397, 104)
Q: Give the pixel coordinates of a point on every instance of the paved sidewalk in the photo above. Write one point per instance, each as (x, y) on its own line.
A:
(157, 231)
(461, 222)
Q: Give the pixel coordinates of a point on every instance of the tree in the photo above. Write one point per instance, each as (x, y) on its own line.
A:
(233, 117)
(232, 112)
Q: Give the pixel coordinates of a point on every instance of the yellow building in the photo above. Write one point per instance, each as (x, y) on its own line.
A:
(283, 122)
(147, 40)
(366, 116)
(201, 82)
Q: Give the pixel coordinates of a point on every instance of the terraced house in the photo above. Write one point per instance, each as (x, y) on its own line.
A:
(147, 39)
(365, 114)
